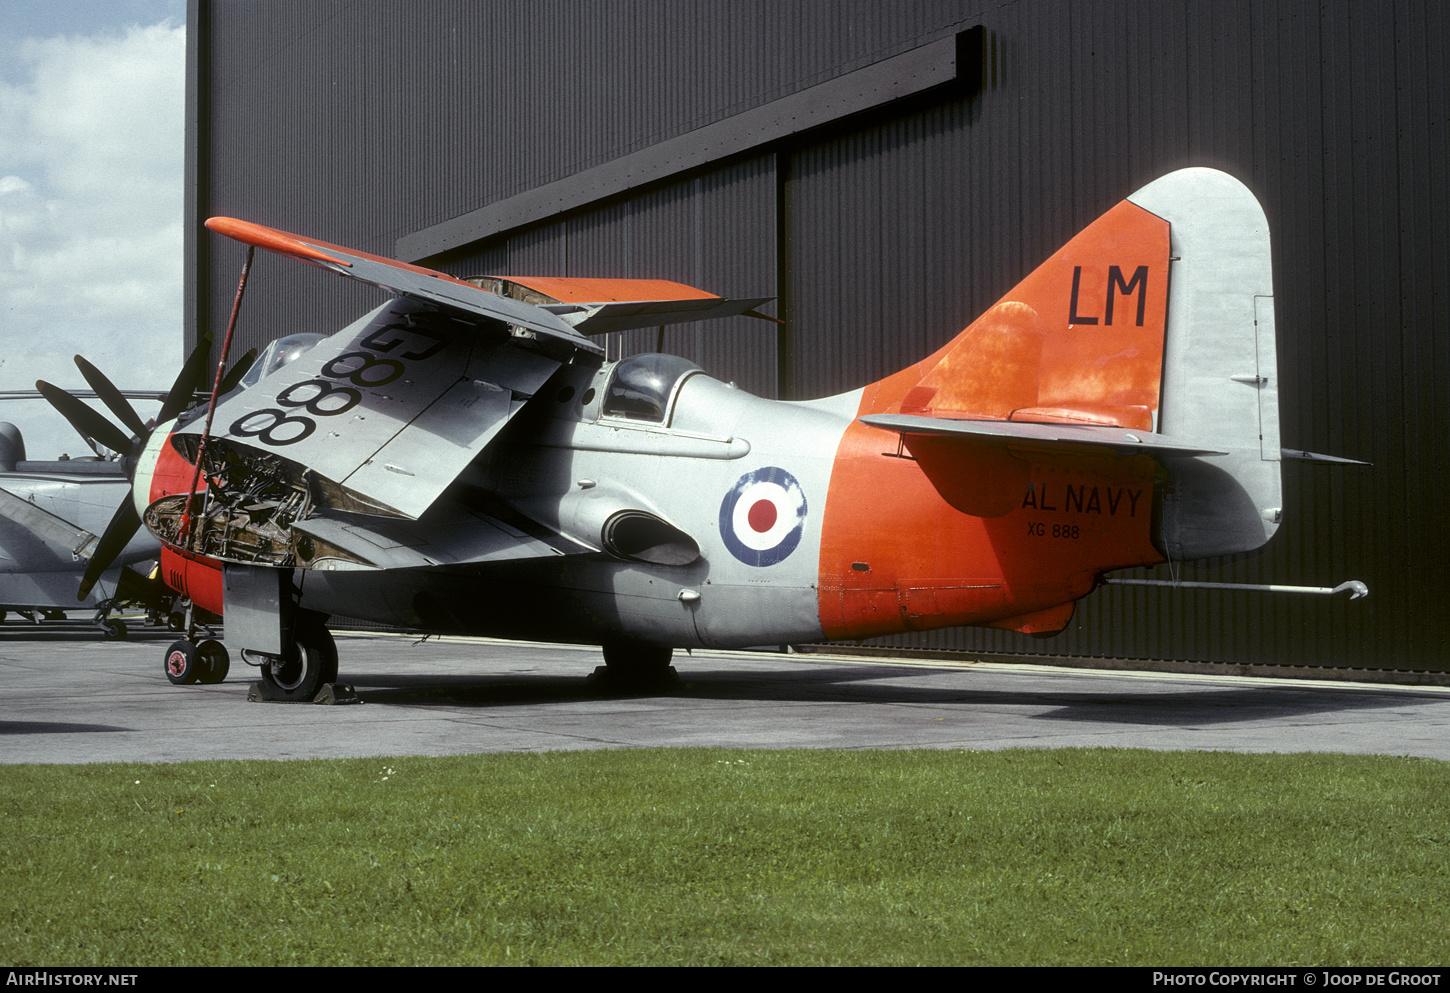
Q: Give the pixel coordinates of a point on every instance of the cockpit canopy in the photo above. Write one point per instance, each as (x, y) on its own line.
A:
(644, 386)
(278, 354)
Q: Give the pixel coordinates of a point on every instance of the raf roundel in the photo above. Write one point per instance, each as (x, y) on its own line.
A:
(763, 515)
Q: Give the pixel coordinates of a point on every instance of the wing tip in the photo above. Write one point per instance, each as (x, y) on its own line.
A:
(271, 239)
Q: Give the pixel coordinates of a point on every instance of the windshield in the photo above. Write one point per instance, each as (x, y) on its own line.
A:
(278, 354)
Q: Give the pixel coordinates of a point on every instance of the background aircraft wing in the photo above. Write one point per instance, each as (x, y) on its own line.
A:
(62, 539)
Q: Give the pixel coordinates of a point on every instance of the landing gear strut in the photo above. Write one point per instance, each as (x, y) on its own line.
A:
(112, 628)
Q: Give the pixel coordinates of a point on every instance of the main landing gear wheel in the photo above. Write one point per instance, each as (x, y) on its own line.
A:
(113, 630)
(635, 665)
(183, 665)
(213, 661)
(312, 661)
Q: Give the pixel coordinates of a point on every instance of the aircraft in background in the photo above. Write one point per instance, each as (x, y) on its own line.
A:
(50, 514)
(51, 511)
(462, 459)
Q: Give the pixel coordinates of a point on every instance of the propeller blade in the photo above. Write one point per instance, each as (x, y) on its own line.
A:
(115, 538)
(186, 381)
(111, 397)
(88, 422)
(235, 373)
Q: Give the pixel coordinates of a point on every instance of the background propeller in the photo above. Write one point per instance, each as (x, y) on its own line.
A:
(234, 375)
(95, 427)
(112, 397)
(86, 420)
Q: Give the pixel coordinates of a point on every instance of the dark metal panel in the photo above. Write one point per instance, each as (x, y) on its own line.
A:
(853, 93)
(736, 226)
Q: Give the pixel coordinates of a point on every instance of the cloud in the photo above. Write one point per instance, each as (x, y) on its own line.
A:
(91, 180)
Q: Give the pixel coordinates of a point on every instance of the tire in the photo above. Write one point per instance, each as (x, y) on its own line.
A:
(636, 662)
(311, 662)
(312, 627)
(214, 661)
(113, 630)
(175, 621)
(182, 663)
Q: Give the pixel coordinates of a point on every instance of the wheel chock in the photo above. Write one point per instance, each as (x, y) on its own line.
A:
(334, 694)
(328, 693)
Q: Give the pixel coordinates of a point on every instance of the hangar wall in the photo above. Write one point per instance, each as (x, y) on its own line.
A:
(883, 232)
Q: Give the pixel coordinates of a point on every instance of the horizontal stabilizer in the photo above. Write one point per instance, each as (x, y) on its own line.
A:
(1067, 438)
(1298, 456)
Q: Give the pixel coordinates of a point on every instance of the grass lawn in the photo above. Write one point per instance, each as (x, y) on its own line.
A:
(700, 856)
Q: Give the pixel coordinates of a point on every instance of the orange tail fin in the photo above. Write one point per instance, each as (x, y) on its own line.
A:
(1080, 340)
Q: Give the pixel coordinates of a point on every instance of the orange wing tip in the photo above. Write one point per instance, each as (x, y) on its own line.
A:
(271, 239)
(585, 289)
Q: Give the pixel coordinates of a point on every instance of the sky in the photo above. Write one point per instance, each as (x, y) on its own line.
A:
(92, 126)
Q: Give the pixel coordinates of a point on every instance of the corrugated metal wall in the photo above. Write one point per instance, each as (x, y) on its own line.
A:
(716, 231)
(359, 122)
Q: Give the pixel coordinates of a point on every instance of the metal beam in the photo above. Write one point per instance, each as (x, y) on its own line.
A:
(873, 86)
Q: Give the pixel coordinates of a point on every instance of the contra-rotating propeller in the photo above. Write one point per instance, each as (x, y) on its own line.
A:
(94, 427)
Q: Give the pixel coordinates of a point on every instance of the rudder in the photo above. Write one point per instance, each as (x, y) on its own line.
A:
(1220, 372)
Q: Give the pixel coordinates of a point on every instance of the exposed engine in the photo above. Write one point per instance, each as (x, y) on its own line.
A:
(246, 514)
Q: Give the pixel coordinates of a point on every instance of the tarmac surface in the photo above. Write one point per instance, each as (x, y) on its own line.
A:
(68, 697)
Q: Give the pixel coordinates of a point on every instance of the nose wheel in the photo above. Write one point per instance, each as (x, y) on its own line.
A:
(186, 662)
